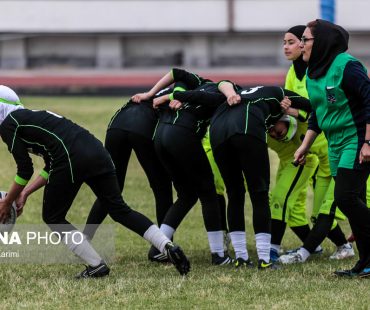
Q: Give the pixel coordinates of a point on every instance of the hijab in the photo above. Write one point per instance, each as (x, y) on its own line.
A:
(292, 127)
(9, 102)
(330, 40)
(299, 65)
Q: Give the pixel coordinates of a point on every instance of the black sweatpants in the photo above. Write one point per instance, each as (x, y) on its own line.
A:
(244, 156)
(181, 152)
(349, 194)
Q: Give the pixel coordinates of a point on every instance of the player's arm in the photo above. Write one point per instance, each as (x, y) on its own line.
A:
(356, 83)
(165, 81)
(40, 181)
(24, 170)
(301, 152)
(211, 99)
(228, 89)
(301, 115)
(297, 101)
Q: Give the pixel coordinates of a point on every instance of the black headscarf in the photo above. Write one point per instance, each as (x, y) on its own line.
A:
(299, 65)
(330, 40)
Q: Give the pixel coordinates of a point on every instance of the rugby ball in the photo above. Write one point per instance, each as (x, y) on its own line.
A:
(12, 216)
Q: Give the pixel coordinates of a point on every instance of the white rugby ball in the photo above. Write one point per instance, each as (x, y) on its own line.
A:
(13, 213)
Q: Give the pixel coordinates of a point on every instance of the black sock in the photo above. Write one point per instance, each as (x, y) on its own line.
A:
(319, 232)
(337, 236)
(301, 231)
(277, 231)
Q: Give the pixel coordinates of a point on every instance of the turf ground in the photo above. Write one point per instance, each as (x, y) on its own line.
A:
(137, 284)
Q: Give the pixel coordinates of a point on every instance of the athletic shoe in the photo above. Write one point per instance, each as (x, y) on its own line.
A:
(155, 256)
(178, 258)
(365, 272)
(346, 273)
(220, 261)
(291, 258)
(262, 265)
(355, 271)
(343, 251)
(99, 271)
(240, 263)
(274, 255)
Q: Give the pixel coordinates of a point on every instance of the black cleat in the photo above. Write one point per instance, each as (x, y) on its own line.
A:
(242, 263)
(365, 273)
(220, 261)
(262, 265)
(178, 258)
(346, 273)
(99, 271)
(359, 270)
(155, 256)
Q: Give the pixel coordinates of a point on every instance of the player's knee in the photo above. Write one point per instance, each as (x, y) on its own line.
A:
(51, 220)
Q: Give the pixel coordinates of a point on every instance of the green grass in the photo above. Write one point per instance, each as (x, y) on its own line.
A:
(135, 283)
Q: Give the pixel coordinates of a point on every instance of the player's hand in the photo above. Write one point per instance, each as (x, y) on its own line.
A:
(175, 104)
(4, 210)
(20, 202)
(160, 100)
(285, 104)
(140, 97)
(300, 156)
(364, 154)
(233, 99)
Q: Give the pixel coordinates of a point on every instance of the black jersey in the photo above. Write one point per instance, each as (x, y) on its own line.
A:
(259, 109)
(62, 144)
(195, 113)
(139, 118)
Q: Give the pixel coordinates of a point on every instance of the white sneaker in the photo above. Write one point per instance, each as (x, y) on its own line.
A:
(291, 258)
(343, 251)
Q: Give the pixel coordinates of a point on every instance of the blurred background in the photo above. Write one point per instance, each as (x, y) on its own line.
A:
(118, 47)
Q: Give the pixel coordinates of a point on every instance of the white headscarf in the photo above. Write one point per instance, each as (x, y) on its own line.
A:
(9, 102)
(292, 127)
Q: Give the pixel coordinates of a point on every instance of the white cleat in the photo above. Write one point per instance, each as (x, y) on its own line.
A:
(343, 251)
(291, 258)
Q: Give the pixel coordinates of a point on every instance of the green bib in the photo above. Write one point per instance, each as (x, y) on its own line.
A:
(331, 104)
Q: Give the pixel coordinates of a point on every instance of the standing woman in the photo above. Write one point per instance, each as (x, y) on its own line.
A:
(288, 198)
(339, 89)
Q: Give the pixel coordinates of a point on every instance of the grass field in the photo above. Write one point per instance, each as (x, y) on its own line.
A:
(137, 284)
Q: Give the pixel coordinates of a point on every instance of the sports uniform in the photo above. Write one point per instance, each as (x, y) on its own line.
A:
(132, 128)
(72, 157)
(178, 144)
(234, 130)
(288, 199)
(339, 89)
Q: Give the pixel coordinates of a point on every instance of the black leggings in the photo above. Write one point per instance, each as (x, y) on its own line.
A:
(350, 186)
(181, 152)
(60, 192)
(120, 144)
(244, 156)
